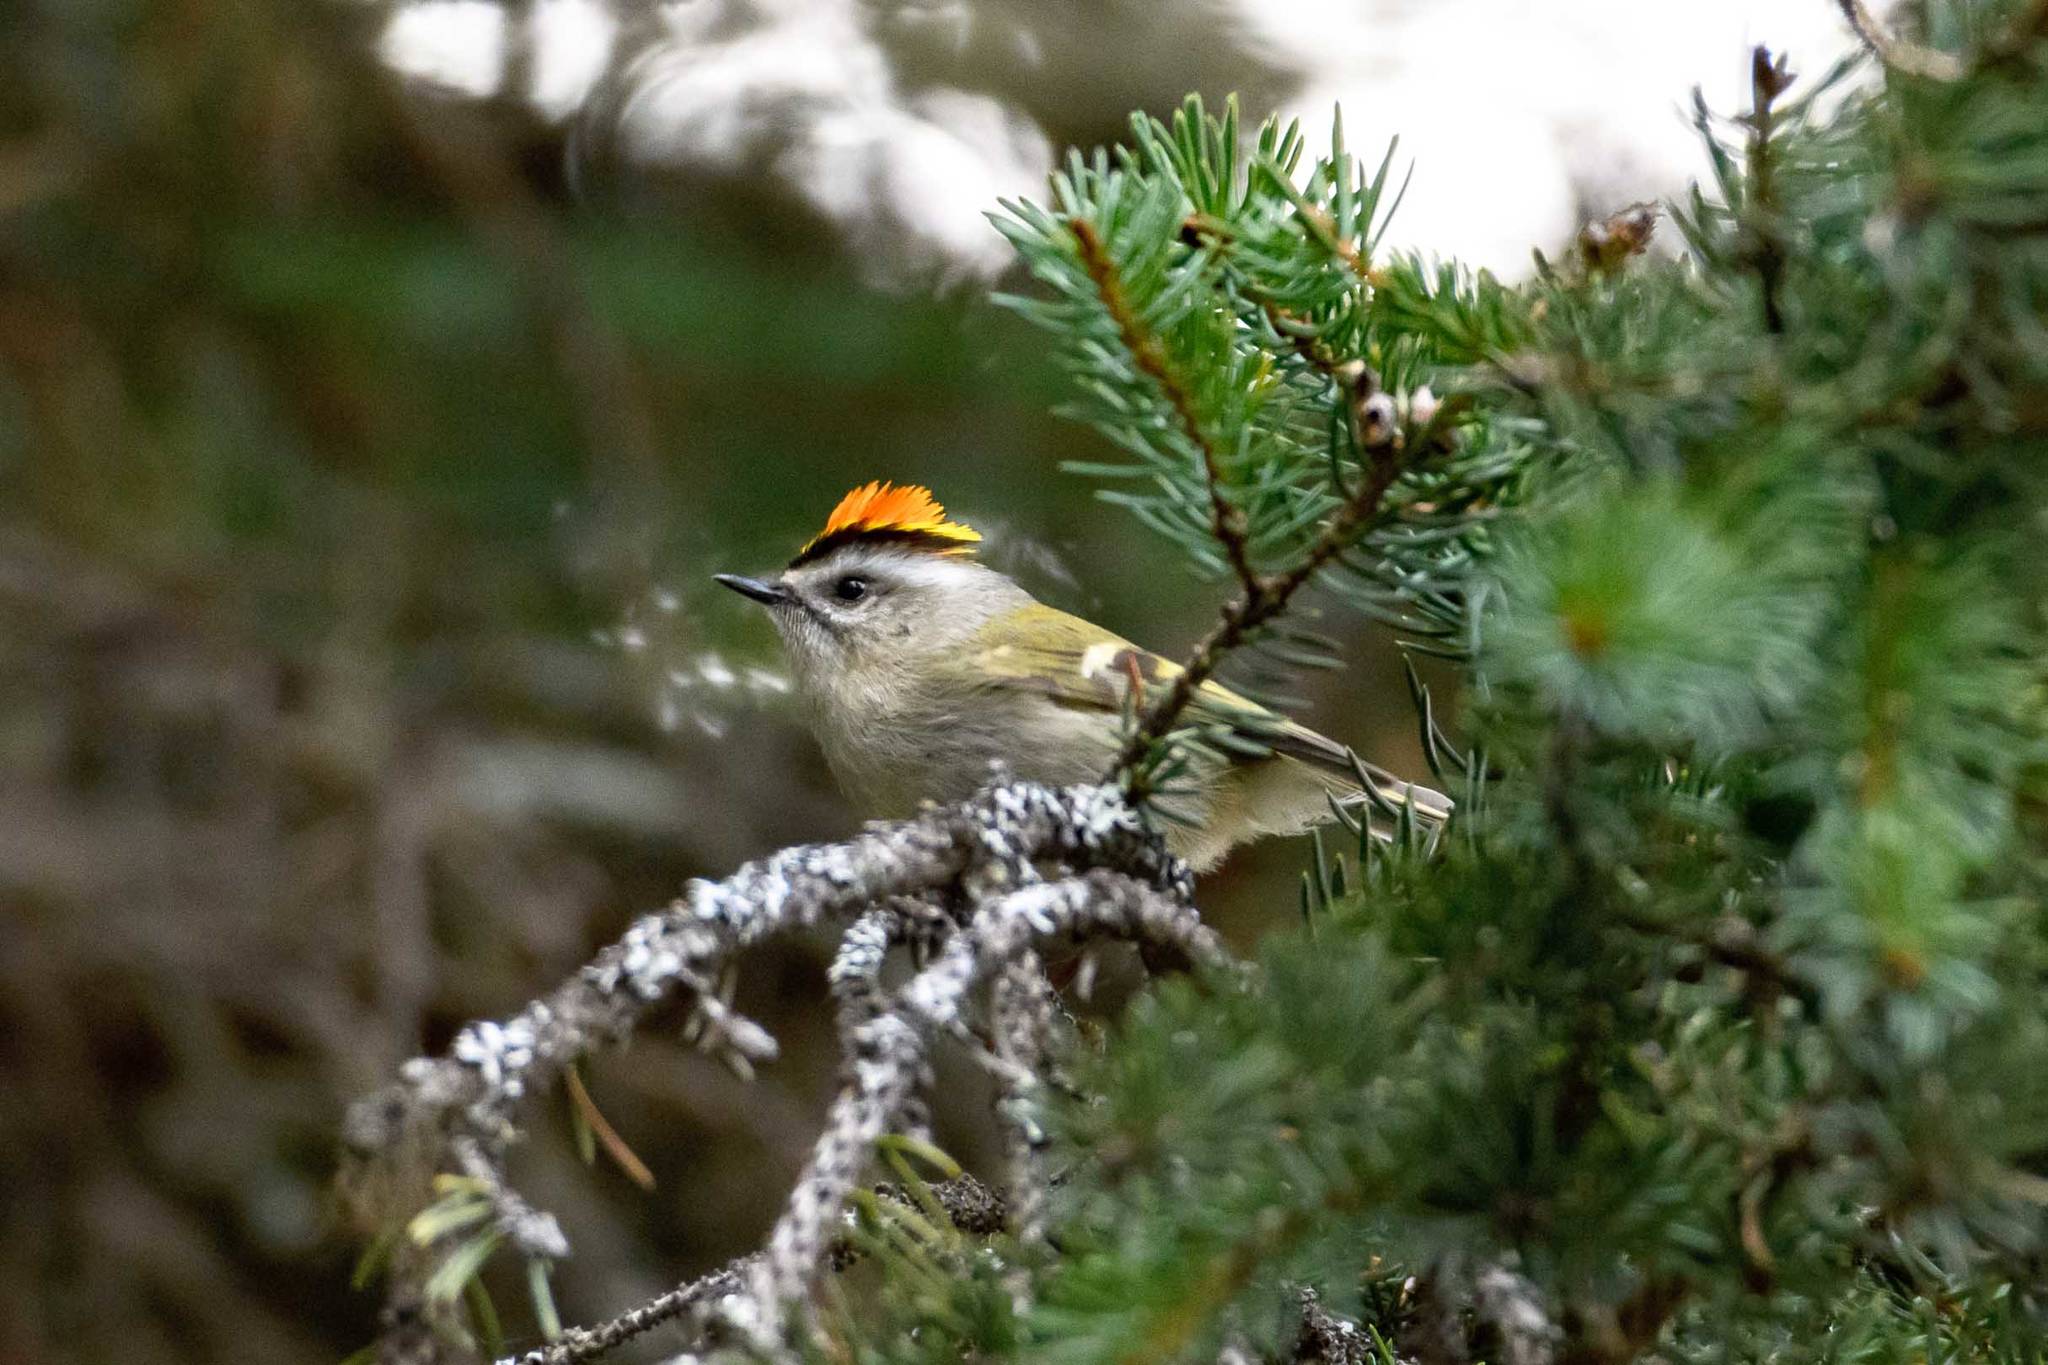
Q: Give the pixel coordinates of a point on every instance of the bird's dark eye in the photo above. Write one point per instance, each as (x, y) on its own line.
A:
(850, 588)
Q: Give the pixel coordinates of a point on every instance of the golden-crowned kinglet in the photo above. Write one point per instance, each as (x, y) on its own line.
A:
(924, 670)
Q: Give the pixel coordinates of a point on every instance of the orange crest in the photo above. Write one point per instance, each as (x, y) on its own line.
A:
(908, 512)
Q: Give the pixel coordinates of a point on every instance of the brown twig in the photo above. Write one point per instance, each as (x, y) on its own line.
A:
(1894, 52)
(1769, 78)
(1264, 597)
(1226, 518)
(1608, 243)
(2028, 27)
(1295, 330)
(690, 1302)
(1615, 1334)
(607, 1136)
(1765, 1170)
(1731, 942)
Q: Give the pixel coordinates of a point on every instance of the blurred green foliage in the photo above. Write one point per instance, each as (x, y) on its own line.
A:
(357, 480)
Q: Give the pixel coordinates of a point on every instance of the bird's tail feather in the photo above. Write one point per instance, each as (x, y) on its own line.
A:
(1391, 797)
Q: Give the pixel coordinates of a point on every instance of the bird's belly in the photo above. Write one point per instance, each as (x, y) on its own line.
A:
(886, 768)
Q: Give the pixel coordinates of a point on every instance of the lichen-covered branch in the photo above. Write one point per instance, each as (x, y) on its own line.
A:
(888, 1066)
(980, 885)
(889, 1049)
(1326, 1339)
(1457, 1302)
(690, 1306)
(984, 844)
(1024, 1012)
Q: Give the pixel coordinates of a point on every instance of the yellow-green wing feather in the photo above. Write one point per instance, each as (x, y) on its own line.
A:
(1077, 663)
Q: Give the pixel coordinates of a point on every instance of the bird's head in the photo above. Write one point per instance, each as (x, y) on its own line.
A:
(888, 581)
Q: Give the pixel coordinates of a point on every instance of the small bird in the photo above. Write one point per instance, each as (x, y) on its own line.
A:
(924, 671)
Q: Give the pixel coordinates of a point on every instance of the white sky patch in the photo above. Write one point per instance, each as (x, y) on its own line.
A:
(730, 100)
(926, 175)
(458, 45)
(572, 47)
(1521, 118)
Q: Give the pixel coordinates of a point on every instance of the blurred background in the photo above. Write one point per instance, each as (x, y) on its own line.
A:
(378, 387)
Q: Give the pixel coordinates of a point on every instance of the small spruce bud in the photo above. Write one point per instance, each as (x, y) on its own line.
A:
(1422, 407)
(1356, 376)
(1606, 244)
(1377, 421)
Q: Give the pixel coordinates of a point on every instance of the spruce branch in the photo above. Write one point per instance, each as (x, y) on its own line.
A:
(1483, 1060)
(1170, 1325)
(1573, 1096)
(1227, 519)
(1261, 596)
(1218, 315)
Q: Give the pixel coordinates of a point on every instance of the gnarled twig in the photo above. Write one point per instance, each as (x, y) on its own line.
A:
(1894, 52)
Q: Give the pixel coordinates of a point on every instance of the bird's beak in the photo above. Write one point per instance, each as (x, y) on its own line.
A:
(768, 594)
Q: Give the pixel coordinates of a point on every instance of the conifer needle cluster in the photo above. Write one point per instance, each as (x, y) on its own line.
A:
(1714, 1028)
